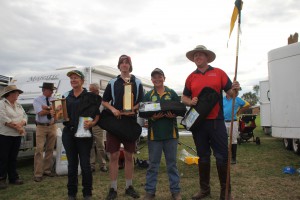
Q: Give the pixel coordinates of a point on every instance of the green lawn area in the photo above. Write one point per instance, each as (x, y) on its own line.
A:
(257, 175)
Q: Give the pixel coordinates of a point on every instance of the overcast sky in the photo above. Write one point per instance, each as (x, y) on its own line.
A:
(41, 35)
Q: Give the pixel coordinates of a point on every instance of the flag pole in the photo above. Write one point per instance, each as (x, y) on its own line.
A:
(232, 112)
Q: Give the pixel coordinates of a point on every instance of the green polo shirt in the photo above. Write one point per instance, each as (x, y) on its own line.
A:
(163, 128)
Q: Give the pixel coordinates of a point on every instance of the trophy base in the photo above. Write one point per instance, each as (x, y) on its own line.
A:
(128, 113)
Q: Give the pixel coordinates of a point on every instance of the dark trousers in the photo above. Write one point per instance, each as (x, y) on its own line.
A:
(9, 149)
(212, 135)
(78, 149)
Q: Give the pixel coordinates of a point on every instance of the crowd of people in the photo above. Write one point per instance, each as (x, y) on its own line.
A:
(209, 135)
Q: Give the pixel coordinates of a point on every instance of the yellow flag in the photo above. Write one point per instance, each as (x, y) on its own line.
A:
(236, 12)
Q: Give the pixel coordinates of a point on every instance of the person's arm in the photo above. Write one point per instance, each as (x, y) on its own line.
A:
(116, 112)
(90, 124)
(188, 101)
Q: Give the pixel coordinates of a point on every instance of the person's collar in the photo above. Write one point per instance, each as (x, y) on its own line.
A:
(197, 71)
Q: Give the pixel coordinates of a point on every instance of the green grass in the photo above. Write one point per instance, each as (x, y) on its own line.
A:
(257, 175)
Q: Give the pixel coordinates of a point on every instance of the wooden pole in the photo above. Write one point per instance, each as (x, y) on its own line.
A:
(232, 114)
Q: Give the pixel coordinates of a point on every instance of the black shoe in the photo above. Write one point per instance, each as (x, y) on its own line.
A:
(71, 197)
(16, 182)
(87, 198)
(131, 192)
(112, 194)
(3, 184)
(233, 161)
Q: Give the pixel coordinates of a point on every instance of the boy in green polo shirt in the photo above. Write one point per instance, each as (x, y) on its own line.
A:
(162, 137)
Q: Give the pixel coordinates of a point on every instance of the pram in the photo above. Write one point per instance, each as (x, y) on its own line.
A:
(246, 127)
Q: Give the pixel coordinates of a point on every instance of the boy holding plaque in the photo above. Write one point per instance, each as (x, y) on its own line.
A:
(125, 92)
(162, 137)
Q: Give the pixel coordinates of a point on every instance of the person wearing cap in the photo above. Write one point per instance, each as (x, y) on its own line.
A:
(12, 121)
(45, 133)
(239, 106)
(98, 153)
(162, 137)
(211, 133)
(114, 93)
(79, 103)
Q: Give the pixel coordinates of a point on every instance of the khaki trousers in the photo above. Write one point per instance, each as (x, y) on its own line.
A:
(45, 141)
(98, 155)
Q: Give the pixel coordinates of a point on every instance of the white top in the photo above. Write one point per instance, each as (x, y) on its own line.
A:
(10, 113)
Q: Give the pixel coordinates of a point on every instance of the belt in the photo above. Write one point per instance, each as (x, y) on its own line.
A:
(43, 124)
(230, 120)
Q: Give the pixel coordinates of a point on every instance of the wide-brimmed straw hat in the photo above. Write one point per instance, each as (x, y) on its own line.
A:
(211, 56)
(10, 88)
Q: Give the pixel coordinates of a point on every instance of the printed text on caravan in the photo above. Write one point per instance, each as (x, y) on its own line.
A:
(46, 78)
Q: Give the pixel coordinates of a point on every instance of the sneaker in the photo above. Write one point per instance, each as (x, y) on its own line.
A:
(112, 194)
(131, 192)
(149, 196)
(176, 196)
(17, 182)
(38, 179)
(103, 169)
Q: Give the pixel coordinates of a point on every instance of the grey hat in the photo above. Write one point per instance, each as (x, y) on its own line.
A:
(211, 56)
(10, 88)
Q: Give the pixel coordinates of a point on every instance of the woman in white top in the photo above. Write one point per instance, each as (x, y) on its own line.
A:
(12, 121)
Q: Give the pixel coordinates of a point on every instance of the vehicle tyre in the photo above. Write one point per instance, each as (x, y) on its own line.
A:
(288, 143)
(257, 140)
(296, 146)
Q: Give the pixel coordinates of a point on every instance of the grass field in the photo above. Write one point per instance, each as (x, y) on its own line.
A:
(257, 175)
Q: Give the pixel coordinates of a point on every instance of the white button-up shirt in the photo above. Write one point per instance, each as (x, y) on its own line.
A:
(10, 113)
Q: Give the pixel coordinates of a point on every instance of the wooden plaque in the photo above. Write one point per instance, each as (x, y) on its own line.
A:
(60, 108)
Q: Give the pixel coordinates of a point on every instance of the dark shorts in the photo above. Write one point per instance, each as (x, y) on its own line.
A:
(113, 144)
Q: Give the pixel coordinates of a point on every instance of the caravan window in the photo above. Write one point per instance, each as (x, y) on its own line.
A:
(103, 84)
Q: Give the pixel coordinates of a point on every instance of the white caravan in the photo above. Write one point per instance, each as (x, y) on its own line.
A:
(265, 107)
(284, 81)
(30, 83)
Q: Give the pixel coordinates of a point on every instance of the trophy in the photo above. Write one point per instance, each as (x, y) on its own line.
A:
(128, 99)
(60, 108)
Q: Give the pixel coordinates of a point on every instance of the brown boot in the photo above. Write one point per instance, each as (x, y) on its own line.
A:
(222, 172)
(204, 175)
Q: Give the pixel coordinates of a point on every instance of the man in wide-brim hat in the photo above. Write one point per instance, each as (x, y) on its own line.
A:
(49, 86)
(211, 132)
(45, 133)
(8, 89)
(211, 56)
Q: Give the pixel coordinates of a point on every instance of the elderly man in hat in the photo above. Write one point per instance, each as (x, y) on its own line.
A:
(45, 133)
(211, 133)
(12, 121)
